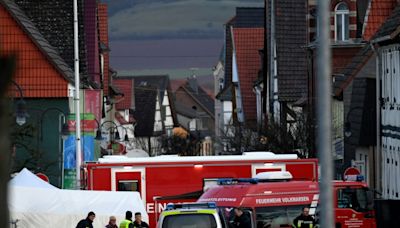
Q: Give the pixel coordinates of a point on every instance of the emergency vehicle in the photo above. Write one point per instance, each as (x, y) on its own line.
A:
(274, 200)
(194, 215)
(164, 179)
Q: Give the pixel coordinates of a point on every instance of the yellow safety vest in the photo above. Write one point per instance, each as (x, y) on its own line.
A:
(300, 222)
(125, 223)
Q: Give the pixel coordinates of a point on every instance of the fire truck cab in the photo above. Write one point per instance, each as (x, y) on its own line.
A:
(274, 200)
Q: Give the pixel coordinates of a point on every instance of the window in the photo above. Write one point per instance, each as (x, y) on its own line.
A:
(227, 214)
(279, 216)
(128, 185)
(190, 221)
(341, 22)
(355, 199)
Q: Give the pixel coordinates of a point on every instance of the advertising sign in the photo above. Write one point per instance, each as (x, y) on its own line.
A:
(88, 126)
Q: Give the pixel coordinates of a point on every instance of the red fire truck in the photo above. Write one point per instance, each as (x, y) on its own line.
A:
(274, 200)
(164, 179)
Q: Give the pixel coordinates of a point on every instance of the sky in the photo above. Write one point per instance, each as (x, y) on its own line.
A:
(169, 34)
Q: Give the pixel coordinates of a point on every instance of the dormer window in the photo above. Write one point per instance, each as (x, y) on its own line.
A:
(341, 22)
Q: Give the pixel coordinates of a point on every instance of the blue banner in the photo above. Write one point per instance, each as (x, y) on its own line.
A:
(87, 145)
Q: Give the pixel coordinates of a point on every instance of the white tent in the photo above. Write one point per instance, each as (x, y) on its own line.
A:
(51, 207)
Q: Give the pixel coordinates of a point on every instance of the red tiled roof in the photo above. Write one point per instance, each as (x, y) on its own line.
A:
(103, 33)
(248, 42)
(379, 11)
(36, 75)
(125, 85)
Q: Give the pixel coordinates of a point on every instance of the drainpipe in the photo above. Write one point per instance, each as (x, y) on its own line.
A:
(377, 155)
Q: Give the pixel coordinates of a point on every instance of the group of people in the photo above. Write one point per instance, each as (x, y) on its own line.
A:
(241, 220)
(112, 223)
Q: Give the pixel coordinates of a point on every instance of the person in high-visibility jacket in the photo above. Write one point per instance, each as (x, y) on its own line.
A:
(304, 220)
(127, 222)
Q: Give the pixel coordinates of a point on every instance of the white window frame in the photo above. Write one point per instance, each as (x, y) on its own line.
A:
(345, 27)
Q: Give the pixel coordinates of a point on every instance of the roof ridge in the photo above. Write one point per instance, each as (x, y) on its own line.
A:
(38, 39)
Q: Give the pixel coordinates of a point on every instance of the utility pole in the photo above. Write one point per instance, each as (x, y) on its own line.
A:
(324, 114)
(76, 99)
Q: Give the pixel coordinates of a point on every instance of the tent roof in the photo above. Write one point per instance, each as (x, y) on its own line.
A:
(26, 178)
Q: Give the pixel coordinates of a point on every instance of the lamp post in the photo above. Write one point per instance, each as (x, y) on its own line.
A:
(77, 98)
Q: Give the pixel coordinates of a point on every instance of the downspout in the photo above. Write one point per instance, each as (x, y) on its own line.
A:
(272, 59)
(377, 155)
(265, 91)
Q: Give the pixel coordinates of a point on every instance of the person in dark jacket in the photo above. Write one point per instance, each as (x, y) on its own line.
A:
(87, 223)
(138, 223)
(242, 218)
(304, 220)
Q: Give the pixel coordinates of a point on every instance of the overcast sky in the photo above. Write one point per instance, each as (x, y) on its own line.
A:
(154, 34)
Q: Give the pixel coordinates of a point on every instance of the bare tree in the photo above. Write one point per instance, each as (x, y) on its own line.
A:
(295, 137)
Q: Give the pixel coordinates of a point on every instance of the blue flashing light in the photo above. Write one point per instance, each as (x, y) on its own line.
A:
(360, 178)
(232, 181)
(170, 206)
(173, 206)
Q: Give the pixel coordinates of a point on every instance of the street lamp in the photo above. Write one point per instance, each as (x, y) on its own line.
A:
(116, 137)
(347, 125)
(21, 114)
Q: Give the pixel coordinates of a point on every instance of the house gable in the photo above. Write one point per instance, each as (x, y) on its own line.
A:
(40, 71)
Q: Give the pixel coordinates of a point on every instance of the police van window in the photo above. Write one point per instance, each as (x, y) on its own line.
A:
(128, 185)
(354, 198)
(281, 216)
(190, 221)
